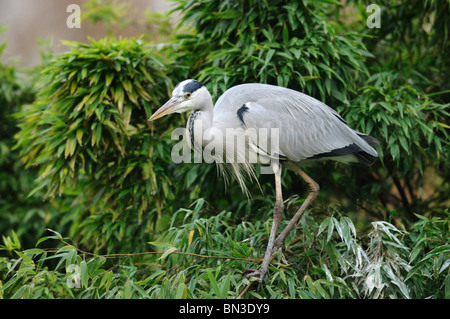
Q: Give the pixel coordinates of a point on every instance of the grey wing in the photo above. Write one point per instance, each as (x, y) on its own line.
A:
(306, 129)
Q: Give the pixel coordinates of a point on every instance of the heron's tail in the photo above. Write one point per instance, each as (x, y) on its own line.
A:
(372, 141)
(364, 157)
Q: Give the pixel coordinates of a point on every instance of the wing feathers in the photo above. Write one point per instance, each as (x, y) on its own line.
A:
(307, 127)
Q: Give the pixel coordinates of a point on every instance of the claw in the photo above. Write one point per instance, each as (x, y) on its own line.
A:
(258, 274)
(249, 272)
(254, 273)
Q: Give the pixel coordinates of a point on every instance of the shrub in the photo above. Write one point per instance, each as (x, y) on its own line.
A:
(89, 126)
(28, 216)
(205, 257)
(414, 137)
(278, 42)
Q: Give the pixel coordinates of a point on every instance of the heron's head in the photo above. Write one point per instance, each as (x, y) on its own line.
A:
(188, 95)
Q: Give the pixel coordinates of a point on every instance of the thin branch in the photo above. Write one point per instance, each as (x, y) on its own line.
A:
(155, 253)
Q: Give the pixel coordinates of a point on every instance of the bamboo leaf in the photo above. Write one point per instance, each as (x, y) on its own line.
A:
(168, 252)
(181, 292)
(213, 283)
(108, 78)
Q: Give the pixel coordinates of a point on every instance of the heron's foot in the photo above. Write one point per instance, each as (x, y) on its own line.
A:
(252, 272)
(279, 243)
(259, 274)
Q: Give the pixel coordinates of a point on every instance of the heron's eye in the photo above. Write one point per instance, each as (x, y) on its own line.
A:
(187, 95)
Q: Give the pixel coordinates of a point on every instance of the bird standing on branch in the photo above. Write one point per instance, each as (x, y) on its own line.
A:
(272, 123)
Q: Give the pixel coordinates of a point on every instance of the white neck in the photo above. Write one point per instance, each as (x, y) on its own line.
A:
(202, 118)
(205, 106)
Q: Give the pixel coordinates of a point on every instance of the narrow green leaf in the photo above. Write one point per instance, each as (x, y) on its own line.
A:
(127, 290)
(24, 257)
(15, 239)
(71, 257)
(84, 274)
(42, 239)
(213, 283)
(395, 152)
(168, 252)
(321, 291)
(225, 287)
(285, 35)
(404, 143)
(79, 136)
(181, 292)
(71, 144)
(291, 288)
(330, 228)
(108, 78)
(269, 56)
(323, 225)
(309, 282)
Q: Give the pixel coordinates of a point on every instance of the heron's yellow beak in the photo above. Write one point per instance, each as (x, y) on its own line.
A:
(167, 108)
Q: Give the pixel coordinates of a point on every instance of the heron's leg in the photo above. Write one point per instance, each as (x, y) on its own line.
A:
(313, 192)
(277, 216)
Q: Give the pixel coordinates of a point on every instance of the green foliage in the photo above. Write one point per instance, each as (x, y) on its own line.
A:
(91, 115)
(205, 257)
(28, 216)
(408, 122)
(277, 42)
(84, 144)
(85, 110)
(113, 14)
(414, 40)
(414, 137)
(116, 15)
(429, 255)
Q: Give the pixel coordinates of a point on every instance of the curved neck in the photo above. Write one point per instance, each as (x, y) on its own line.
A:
(199, 121)
(206, 117)
(206, 110)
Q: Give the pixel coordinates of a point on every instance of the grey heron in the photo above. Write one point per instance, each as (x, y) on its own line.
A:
(308, 131)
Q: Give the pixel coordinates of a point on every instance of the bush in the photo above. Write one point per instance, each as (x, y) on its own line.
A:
(205, 257)
(91, 115)
(28, 216)
(277, 42)
(415, 138)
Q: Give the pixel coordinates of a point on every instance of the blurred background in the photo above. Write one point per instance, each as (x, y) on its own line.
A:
(33, 24)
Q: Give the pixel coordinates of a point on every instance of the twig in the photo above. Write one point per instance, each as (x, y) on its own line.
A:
(155, 253)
